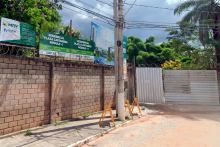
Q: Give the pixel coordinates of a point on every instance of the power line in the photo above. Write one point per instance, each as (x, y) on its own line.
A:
(164, 8)
(143, 25)
(104, 3)
(87, 10)
(130, 7)
(88, 16)
(88, 5)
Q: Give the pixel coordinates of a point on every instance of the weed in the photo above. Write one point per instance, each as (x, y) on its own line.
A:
(29, 132)
(57, 123)
(86, 115)
(99, 112)
(79, 129)
(60, 123)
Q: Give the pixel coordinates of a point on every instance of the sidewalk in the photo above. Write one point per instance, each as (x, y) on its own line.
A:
(65, 134)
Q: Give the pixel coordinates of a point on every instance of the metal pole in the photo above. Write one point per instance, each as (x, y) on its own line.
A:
(70, 28)
(121, 101)
(116, 53)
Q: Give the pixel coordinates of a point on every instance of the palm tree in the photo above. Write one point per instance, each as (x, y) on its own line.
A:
(206, 14)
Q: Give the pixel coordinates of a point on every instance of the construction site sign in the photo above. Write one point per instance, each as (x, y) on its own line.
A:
(66, 47)
(15, 32)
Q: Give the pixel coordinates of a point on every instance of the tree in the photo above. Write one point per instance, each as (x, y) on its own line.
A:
(150, 39)
(136, 40)
(141, 46)
(65, 30)
(42, 14)
(207, 14)
(131, 38)
(166, 55)
(150, 47)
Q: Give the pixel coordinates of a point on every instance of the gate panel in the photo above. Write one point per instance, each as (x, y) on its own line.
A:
(149, 85)
(191, 87)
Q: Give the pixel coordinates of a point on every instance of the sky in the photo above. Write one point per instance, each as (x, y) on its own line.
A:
(136, 13)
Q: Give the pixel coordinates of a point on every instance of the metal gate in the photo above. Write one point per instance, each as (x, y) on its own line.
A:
(191, 87)
(149, 85)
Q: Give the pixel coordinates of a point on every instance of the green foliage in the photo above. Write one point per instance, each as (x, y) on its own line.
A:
(42, 14)
(136, 40)
(141, 46)
(139, 59)
(109, 58)
(166, 55)
(150, 47)
(86, 115)
(28, 132)
(79, 129)
(57, 123)
(129, 41)
(65, 30)
(131, 38)
(86, 39)
(150, 39)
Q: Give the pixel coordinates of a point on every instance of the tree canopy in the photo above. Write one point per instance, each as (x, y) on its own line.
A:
(43, 14)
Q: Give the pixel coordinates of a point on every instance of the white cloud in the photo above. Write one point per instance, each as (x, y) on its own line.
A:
(174, 2)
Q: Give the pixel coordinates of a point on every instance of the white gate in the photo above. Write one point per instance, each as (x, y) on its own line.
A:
(149, 85)
(191, 87)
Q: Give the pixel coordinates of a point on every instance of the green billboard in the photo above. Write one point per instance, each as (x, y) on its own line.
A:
(69, 48)
(15, 32)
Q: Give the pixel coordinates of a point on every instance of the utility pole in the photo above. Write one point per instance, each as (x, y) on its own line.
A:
(115, 3)
(119, 60)
(70, 28)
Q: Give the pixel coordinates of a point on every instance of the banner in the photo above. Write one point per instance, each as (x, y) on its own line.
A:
(125, 56)
(10, 29)
(104, 50)
(104, 40)
(15, 32)
(66, 47)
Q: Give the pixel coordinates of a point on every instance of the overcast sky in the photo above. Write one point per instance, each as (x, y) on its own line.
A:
(136, 13)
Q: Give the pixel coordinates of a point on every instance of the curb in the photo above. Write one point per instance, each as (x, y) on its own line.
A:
(93, 137)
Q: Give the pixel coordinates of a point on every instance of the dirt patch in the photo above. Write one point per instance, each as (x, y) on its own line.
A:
(169, 126)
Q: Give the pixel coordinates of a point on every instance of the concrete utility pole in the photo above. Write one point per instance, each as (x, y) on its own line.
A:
(116, 52)
(119, 61)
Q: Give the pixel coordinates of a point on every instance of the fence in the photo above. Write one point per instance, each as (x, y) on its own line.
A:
(149, 85)
(34, 92)
(191, 87)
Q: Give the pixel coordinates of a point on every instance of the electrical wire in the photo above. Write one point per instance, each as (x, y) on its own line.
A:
(164, 8)
(87, 10)
(130, 7)
(88, 5)
(132, 25)
(104, 3)
(89, 16)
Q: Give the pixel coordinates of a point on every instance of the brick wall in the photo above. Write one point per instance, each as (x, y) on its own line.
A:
(76, 90)
(24, 94)
(35, 92)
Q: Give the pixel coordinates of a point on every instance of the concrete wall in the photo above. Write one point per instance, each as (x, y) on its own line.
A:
(36, 92)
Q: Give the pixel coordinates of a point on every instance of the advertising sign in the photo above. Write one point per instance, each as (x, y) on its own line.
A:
(17, 32)
(104, 50)
(66, 47)
(125, 56)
